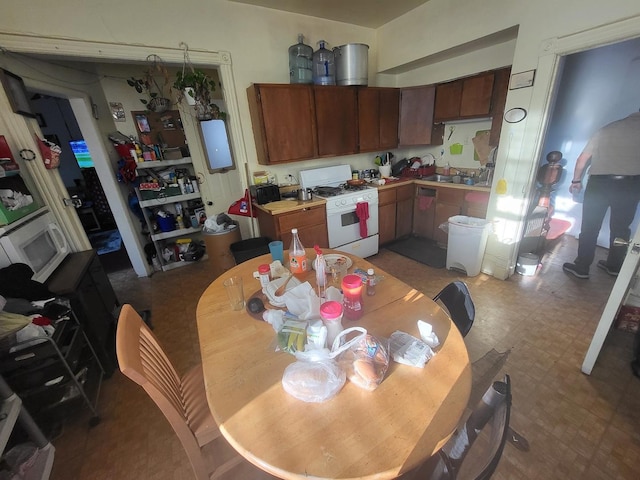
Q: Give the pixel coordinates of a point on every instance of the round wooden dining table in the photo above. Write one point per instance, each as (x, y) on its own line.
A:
(357, 434)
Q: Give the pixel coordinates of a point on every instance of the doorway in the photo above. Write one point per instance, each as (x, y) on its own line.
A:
(217, 189)
(59, 125)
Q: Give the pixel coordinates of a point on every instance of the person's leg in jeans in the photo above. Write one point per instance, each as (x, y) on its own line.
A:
(596, 202)
(624, 200)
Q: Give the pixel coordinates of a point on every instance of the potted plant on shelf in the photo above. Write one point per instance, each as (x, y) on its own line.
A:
(155, 83)
(197, 86)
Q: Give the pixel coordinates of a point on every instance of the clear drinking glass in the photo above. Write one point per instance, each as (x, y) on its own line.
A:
(233, 286)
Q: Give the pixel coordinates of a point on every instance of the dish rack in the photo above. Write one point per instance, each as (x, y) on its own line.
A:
(418, 172)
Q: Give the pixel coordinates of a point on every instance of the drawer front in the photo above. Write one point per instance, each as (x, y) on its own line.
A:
(302, 218)
(386, 196)
(451, 196)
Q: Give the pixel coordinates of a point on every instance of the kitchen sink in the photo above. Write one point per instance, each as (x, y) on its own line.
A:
(439, 178)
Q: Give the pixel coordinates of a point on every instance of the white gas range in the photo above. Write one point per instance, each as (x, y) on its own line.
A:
(348, 232)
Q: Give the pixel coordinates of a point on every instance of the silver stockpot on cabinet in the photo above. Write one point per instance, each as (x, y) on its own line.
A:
(352, 64)
(305, 194)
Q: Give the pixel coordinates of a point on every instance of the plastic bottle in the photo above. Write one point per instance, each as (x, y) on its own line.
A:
(297, 255)
(300, 62)
(264, 274)
(447, 169)
(321, 267)
(371, 282)
(324, 67)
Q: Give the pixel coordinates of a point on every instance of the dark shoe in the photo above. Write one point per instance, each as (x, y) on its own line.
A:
(575, 270)
(603, 265)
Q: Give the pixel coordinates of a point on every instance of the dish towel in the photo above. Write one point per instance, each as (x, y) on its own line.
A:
(424, 202)
(362, 212)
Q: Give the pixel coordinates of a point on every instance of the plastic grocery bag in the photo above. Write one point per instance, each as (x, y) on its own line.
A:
(364, 358)
(315, 377)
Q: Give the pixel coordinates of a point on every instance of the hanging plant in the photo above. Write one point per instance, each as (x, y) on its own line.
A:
(196, 87)
(155, 84)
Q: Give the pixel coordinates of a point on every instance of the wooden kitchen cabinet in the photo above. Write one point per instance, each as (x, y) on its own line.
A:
(416, 125)
(284, 122)
(386, 215)
(395, 213)
(464, 98)
(404, 210)
(449, 202)
(378, 115)
(500, 89)
(336, 110)
(311, 223)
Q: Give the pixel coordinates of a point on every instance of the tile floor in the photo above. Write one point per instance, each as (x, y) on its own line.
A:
(578, 426)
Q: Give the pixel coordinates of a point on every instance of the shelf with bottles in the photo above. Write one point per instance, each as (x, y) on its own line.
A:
(163, 163)
(159, 202)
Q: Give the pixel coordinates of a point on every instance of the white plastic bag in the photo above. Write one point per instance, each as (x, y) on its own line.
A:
(315, 378)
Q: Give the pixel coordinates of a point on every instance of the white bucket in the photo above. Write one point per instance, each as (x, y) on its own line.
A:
(527, 264)
(352, 64)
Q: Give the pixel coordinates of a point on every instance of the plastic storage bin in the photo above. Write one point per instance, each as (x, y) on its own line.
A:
(467, 241)
(251, 248)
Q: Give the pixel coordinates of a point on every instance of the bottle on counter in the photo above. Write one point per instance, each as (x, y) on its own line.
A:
(300, 62)
(297, 254)
(321, 271)
(446, 170)
(324, 66)
(371, 282)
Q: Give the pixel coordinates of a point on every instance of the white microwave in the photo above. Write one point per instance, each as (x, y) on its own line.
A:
(35, 240)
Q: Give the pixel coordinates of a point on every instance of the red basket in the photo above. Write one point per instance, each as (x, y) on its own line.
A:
(418, 172)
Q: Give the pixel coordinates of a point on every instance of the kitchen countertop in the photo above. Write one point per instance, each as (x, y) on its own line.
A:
(284, 206)
(428, 183)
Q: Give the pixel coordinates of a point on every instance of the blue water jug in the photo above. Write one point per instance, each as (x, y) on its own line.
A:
(324, 67)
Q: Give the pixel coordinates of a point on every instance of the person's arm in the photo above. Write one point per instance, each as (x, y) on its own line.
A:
(578, 172)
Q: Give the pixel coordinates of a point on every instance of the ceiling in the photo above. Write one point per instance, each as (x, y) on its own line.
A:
(366, 13)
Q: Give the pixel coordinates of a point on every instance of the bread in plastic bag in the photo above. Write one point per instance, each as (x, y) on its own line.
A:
(314, 379)
(366, 359)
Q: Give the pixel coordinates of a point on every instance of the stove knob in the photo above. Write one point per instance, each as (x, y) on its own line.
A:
(343, 202)
(337, 203)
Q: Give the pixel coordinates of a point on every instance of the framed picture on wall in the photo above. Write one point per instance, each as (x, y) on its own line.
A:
(16, 92)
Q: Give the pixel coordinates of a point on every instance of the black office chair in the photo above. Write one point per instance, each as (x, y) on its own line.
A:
(474, 451)
(457, 300)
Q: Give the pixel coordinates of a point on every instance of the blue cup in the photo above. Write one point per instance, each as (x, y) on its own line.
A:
(276, 250)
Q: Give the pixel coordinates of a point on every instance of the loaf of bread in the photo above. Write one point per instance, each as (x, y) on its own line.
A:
(366, 363)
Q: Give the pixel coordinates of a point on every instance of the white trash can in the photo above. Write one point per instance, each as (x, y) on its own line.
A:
(467, 241)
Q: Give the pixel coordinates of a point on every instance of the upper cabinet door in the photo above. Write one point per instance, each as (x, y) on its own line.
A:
(283, 122)
(464, 98)
(369, 119)
(500, 89)
(378, 113)
(476, 95)
(416, 117)
(448, 97)
(337, 120)
(389, 117)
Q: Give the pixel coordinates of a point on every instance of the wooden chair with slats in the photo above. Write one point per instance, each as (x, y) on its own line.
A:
(182, 400)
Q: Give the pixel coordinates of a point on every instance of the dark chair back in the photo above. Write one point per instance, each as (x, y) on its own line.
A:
(474, 450)
(457, 300)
